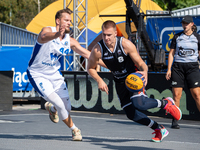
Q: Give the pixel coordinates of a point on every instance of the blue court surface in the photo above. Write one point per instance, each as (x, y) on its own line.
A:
(27, 127)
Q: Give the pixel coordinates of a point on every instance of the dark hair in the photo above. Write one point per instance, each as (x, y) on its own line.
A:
(109, 23)
(59, 13)
(194, 28)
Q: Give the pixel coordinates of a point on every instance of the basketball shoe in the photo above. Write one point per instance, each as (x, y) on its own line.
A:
(76, 135)
(161, 133)
(175, 124)
(53, 116)
(171, 108)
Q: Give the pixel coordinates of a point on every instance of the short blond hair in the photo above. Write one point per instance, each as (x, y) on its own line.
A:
(109, 23)
(59, 13)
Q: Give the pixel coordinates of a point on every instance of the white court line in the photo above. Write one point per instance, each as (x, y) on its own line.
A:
(89, 136)
(8, 121)
(109, 119)
(97, 137)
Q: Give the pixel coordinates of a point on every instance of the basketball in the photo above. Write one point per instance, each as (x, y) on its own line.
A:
(134, 83)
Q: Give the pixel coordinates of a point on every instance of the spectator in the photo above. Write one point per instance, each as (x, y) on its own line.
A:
(184, 51)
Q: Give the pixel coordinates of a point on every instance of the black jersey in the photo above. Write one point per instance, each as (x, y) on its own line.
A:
(117, 61)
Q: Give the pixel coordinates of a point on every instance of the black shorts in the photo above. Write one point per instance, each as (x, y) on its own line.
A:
(185, 72)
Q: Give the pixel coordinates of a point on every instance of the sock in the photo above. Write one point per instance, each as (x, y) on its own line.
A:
(159, 103)
(53, 109)
(155, 126)
(73, 127)
(163, 103)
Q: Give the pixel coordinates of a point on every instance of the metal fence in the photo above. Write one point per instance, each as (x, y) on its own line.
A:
(10, 35)
(14, 36)
(193, 11)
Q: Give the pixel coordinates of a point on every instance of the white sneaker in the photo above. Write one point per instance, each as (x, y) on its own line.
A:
(76, 135)
(53, 116)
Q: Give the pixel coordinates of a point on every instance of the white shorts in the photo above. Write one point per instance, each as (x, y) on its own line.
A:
(45, 85)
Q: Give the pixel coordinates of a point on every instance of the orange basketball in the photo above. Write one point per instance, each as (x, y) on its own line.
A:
(134, 83)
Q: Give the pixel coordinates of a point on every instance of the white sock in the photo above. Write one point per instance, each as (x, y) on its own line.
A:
(53, 109)
(73, 127)
(151, 123)
(159, 103)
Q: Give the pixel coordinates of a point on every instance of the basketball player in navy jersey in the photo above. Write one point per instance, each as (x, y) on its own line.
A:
(184, 51)
(121, 58)
(43, 68)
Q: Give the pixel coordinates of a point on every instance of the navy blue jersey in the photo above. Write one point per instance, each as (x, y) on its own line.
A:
(186, 47)
(118, 62)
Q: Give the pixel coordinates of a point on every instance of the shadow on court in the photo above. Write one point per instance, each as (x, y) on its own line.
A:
(28, 127)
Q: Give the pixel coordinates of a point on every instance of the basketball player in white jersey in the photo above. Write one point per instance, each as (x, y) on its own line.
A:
(43, 70)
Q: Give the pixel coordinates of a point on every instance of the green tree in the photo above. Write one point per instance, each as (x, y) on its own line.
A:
(7, 8)
(185, 3)
(27, 9)
(20, 12)
(175, 4)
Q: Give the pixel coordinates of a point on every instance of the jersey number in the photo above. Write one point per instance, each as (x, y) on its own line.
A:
(120, 59)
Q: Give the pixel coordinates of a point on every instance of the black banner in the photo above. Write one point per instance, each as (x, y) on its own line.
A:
(6, 90)
(85, 95)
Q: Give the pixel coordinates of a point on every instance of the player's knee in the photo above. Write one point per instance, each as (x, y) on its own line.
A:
(140, 106)
(177, 95)
(130, 112)
(59, 106)
(69, 108)
(62, 112)
(139, 102)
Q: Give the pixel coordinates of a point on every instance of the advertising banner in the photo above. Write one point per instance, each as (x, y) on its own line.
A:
(15, 58)
(162, 30)
(85, 95)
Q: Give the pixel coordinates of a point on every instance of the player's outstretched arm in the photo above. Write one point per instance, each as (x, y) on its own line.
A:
(47, 35)
(75, 46)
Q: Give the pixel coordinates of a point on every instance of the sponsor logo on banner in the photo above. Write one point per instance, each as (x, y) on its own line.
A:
(19, 78)
(107, 103)
(167, 35)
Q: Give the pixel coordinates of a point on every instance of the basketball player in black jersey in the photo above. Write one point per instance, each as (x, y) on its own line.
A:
(122, 58)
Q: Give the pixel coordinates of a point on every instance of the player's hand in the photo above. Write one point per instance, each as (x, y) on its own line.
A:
(62, 30)
(144, 76)
(168, 74)
(103, 86)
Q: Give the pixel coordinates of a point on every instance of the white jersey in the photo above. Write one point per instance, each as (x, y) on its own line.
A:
(45, 57)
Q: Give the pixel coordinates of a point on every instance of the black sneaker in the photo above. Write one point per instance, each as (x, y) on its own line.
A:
(175, 124)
